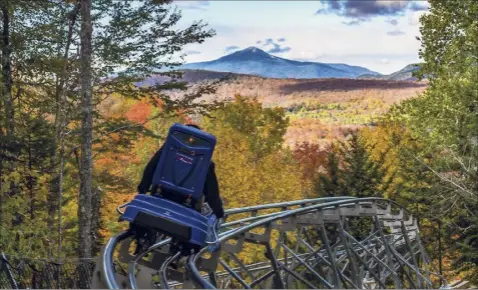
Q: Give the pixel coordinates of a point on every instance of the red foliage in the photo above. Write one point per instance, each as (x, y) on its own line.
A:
(311, 157)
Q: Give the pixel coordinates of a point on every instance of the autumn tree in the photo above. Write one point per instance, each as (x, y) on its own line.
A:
(263, 128)
(311, 157)
(444, 119)
(44, 46)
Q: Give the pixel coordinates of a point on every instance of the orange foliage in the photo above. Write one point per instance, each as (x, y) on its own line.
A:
(104, 162)
(139, 112)
(115, 136)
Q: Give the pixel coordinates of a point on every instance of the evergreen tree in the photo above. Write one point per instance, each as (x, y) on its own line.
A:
(351, 171)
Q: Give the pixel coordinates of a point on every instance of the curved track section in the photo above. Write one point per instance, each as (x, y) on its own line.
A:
(339, 242)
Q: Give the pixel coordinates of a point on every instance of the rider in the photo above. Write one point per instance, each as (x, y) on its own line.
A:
(211, 188)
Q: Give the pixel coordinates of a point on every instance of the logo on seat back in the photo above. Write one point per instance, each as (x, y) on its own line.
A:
(184, 159)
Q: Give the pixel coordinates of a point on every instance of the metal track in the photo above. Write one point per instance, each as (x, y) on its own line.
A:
(339, 242)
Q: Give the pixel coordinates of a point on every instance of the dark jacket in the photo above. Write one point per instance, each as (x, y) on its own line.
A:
(211, 188)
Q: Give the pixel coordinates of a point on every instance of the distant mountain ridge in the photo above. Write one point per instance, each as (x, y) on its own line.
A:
(405, 74)
(193, 76)
(254, 61)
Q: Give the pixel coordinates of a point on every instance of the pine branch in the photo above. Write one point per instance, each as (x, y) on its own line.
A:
(441, 177)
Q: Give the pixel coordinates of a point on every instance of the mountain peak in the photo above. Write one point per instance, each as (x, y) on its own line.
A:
(253, 49)
(250, 53)
(255, 61)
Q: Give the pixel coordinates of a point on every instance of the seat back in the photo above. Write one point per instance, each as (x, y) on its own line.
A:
(184, 162)
(159, 214)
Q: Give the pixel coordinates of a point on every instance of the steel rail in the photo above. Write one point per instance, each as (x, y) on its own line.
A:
(110, 280)
(192, 260)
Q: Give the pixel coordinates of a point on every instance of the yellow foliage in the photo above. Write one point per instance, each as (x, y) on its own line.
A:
(246, 179)
(391, 139)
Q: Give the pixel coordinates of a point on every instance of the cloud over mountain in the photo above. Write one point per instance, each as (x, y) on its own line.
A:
(274, 46)
(278, 49)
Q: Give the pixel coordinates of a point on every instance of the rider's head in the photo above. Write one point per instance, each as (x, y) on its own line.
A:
(194, 126)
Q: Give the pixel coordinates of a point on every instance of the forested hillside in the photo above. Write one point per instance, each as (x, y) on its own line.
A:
(80, 118)
(320, 110)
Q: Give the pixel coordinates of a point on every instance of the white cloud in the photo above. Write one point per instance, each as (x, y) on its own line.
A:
(414, 17)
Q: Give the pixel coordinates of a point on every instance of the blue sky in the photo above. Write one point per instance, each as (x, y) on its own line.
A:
(379, 35)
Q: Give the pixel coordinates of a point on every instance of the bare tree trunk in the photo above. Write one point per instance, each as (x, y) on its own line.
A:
(86, 180)
(57, 158)
(7, 70)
